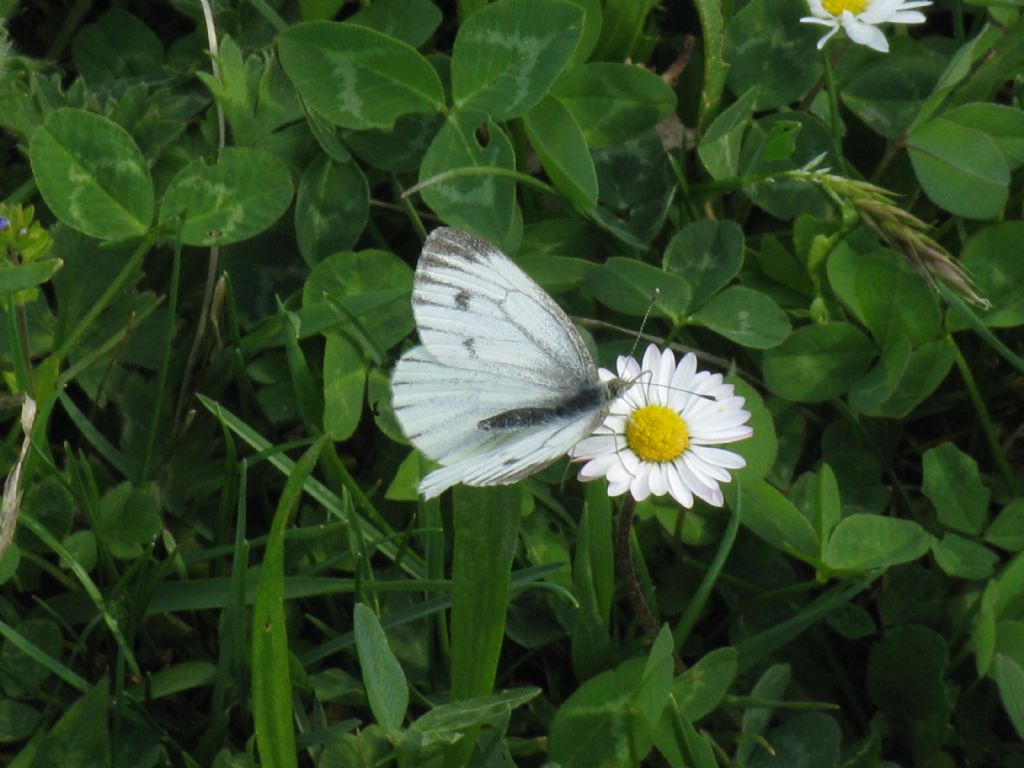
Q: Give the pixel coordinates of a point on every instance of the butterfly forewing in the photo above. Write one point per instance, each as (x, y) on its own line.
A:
(502, 385)
(474, 306)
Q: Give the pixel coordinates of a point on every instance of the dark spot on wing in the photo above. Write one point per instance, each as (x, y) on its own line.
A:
(470, 344)
(462, 299)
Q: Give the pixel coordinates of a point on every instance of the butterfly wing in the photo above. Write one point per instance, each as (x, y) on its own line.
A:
(474, 307)
(493, 342)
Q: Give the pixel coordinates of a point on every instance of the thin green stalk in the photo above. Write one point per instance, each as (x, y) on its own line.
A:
(959, 306)
(25, 191)
(482, 170)
(409, 208)
(985, 420)
(730, 184)
(687, 205)
(833, 113)
(17, 340)
(268, 13)
(682, 630)
(48, 567)
(43, 659)
(115, 287)
(957, 8)
(87, 361)
(117, 724)
(72, 19)
(165, 362)
(88, 586)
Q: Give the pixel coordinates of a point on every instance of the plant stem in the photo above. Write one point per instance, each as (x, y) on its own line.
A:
(627, 568)
(67, 30)
(986, 421)
(959, 306)
(165, 362)
(833, 112)
(115, 287)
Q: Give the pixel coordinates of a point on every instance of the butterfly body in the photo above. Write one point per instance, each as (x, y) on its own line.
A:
(502, 384)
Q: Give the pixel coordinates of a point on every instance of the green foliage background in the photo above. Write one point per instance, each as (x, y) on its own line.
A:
(220, 557)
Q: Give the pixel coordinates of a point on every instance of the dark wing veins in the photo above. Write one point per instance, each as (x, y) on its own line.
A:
(588, 399)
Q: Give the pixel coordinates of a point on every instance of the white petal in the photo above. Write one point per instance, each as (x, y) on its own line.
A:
(599, 466)
(617, 474)
(662, 367)
(652, 359)
(590, 472)
(825, 22)
(625, 467)
(712, 494)
(703, 475)
(718, 438)
(818, 9)
(907, 17)
(719, 457)
(630, 461)
(864, 34)
(683, 376)
(628, 368)
(712, 414)
(678, 489)
(592, 446)
(712, 426)
(716, 499)
(640, 488)
(657, 481)
(878, 11)
(827, 37)
(617, 489)
(686, 474)
(715, 428)
(710, 473)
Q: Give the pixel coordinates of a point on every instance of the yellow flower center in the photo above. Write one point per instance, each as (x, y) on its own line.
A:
(657, 434)
(836, 7)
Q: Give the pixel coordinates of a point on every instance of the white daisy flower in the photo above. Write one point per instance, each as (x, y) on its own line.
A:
(860, 18)
(658, 435)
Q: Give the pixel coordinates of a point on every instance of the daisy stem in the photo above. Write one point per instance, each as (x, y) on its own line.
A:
(833, 112)
(985, 420)
(682, 630)
(627, 569)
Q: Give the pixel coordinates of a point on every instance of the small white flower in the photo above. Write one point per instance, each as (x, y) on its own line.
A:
(656, 438)
(860, 18)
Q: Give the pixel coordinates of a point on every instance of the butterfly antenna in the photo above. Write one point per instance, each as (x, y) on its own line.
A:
(643, 323)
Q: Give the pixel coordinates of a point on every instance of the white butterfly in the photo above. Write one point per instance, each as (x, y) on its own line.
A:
(502, 384)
